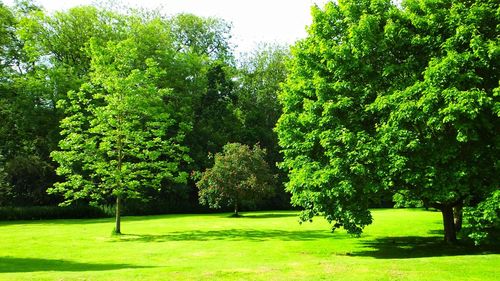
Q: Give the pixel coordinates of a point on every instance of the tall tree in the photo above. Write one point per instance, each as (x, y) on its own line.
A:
(257, 85)
(441, 133)
(325, 131)
(121, 134)
(215, 121)
(258, 80)
(202, 36)
(381, 97)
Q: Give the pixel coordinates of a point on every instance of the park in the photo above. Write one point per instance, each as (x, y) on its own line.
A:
(357, 140)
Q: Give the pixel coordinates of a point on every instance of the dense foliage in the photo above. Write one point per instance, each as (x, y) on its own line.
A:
(65, 77)
(404, 99)
(239, 175)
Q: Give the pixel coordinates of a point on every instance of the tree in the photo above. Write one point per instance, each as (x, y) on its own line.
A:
(258, 80)
(202, 36)
(440, 136)
(121, 134)
(44, 57)
(240, 174)
(325, 132)
(215, 122)
(258, 83)
(387, 98)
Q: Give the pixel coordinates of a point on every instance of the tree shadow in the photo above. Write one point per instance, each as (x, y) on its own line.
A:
(57, 222)
(231, 235)
(439, 232)
(13, 264)
(419, 247)
(266, 216)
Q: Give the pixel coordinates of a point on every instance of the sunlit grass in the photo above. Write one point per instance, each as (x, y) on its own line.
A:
(400, 245)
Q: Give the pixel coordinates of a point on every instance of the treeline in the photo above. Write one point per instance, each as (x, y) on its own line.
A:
(215, 97)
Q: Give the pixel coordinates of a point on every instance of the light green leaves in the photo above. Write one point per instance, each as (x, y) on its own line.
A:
(120, 136)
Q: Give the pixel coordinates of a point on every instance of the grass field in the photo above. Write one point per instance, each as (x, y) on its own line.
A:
(400, 245)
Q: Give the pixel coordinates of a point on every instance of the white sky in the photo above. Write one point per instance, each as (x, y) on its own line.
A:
(254, 21)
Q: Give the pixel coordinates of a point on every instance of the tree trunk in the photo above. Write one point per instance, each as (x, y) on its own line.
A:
(118, 213)
(450, 234)
(236, 209)
(457, 215)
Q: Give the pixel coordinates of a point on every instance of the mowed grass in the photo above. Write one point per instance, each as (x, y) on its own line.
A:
(399, 245)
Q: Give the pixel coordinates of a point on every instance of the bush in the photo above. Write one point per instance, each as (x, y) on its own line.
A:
(404, 200)
(483, 222)
(54, 212)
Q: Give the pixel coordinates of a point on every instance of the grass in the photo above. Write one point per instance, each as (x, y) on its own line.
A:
(400, 245)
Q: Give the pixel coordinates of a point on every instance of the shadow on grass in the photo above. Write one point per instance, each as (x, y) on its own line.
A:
(231, 235)
(418, 247)
(264, 216)
(13, 264)
(57, 222)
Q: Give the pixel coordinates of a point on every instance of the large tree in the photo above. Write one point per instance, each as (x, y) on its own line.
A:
(121, 133)
(398, 98)
(440, 136)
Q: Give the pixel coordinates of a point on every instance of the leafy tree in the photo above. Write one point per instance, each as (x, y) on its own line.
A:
(440, 136)
(215, 122)
(52, 58)
(404, 99)
(326, 134)
(258, 80)
(240, 174)
(483, 221)
(120, 136)
(202, 36)
(27, 122)
(258, 83)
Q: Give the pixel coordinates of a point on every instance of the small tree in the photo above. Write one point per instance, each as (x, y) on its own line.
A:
(240, 174)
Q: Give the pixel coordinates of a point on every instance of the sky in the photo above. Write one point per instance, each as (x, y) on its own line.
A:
(253, 21)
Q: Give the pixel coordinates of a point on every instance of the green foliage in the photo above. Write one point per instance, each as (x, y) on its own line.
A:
(47, 58)
(202, 36)
(50, 58)
(239, 175)
(403, 99)
(483, 221)
(5, 187)
(402, 200)
(325, 131)
(120, 135)
(258, 83)
(54, 212)
(440, 136)
(258, 80)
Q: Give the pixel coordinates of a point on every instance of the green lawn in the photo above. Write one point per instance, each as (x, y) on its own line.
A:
(400, 245)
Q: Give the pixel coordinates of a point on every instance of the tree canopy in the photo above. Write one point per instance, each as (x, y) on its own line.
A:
(398, 98)
(239, 175)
